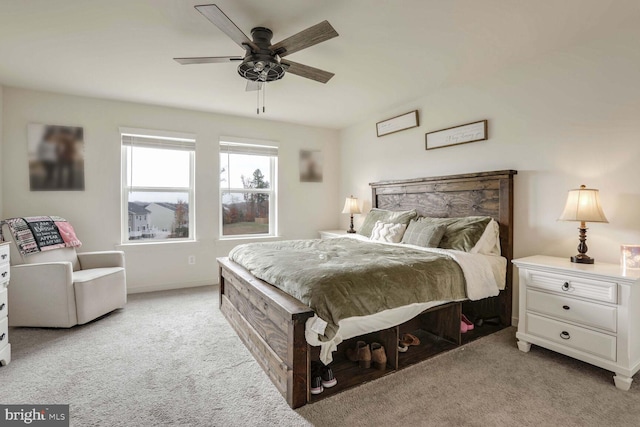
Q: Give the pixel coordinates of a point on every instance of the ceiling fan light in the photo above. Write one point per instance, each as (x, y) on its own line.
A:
(260, 67)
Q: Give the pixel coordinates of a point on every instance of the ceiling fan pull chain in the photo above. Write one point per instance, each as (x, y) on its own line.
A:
(264, 96)
(258, 102)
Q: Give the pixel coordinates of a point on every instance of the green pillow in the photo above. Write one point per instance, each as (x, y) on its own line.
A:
(423, 234)
(383, 215)
(461, 234)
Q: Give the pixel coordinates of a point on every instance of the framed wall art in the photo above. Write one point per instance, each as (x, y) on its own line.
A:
(56, 157)
(471, 132)
(396, 124)
(310, 166)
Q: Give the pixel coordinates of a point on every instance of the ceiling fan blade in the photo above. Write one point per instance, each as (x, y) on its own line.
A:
(226, 25)
(208, 59)
(251, 86)
(304, 39)
(307, 71)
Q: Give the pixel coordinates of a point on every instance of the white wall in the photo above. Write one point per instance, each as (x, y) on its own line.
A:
(304, 208)
(565, 119)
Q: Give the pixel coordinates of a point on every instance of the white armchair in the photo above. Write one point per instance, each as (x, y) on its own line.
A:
(61, 288)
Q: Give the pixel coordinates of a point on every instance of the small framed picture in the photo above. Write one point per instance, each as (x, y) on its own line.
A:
(396, 124)
(310, 166)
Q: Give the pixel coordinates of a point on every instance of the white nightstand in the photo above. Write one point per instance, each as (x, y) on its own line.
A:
(329, 234)
(5, 347)
(590, 312)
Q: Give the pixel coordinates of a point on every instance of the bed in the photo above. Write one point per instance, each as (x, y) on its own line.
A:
(271, 323)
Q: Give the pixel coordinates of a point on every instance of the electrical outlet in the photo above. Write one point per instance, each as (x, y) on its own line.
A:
(192, 259)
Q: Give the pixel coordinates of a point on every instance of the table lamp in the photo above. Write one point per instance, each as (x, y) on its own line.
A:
(351, 207)
(583, 205)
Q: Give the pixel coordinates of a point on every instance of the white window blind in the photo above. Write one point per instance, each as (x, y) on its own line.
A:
(250, 149)
(164, 143)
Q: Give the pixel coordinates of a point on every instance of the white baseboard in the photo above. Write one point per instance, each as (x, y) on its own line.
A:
(514, 321)
(169, 286)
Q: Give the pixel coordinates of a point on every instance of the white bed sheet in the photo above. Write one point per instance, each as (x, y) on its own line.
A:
(484, 275)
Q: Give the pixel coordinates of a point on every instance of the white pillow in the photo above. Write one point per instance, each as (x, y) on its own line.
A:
(388, 232)
(489, 243)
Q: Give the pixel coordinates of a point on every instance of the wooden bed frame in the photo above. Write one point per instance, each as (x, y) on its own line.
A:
(271, 323)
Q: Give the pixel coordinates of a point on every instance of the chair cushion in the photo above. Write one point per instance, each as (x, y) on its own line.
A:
(93, 273)
(99, 291)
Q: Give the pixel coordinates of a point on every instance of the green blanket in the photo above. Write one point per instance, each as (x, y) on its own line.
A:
(344, 277)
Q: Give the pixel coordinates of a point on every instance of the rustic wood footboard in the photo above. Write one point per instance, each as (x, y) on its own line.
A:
(271, 324)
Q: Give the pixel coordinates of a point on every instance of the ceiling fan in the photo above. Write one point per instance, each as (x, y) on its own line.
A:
(263, 61)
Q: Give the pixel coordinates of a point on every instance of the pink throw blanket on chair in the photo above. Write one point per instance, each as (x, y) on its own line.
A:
(41, 233)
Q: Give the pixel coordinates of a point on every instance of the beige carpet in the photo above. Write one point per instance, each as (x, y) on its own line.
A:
(170, 359)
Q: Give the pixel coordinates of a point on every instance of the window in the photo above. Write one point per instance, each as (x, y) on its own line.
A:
(158, 186)
(247, 189)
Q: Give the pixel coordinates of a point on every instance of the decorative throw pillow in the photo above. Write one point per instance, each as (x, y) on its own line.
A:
(489, 243)
(387, 232)
(423, 234)
(383, 215)
(461, 234)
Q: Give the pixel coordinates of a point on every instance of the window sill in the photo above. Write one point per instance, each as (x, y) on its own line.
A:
(248, 237)
(164, 243)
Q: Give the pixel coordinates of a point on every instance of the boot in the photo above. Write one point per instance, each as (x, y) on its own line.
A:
(361, 354)
(378, 356)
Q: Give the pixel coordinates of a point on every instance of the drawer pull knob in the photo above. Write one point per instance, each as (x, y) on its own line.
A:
(2, 306)
(2, 336)
(565, 335)
(4, 256)
(565, 286)
(566, 307)
(4, 274)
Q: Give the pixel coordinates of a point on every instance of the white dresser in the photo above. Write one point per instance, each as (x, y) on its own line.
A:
(5, 347)
(587, 311)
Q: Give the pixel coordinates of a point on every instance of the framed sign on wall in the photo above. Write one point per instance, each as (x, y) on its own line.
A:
(396, 124)
(471, 132)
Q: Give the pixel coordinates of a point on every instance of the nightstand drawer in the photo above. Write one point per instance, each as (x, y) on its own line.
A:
(574, 286)
(4, 332)
(3, 303)
(585, 340)
(574, 310)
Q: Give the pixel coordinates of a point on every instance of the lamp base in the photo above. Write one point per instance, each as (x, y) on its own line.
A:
(582, 259)
(351, 230)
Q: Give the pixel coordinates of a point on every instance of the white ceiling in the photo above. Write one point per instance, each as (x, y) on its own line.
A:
(389, 52)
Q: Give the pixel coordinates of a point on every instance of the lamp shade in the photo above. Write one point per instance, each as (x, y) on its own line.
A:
(351, 206)
(583, 205)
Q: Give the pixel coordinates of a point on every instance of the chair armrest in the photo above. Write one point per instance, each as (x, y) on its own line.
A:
(45, 272)
(102, 259)
(42, 295)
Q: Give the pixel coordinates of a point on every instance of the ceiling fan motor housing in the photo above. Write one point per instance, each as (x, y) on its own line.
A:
(264, 65)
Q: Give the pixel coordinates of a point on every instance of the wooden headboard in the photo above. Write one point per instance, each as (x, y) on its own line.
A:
(482, 193)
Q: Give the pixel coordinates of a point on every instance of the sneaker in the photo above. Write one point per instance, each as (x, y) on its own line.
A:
(316, 378)
(316, 385)
(328, 380)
